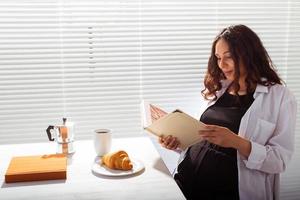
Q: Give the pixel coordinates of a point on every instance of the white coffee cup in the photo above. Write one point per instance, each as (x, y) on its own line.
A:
(102, 141)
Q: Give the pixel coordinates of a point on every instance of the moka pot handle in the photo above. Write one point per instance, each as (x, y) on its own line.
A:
(48, 130)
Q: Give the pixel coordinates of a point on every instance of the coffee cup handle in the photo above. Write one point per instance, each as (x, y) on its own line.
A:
(48, 130)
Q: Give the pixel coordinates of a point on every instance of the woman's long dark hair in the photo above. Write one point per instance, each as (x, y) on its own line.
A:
(246, 47)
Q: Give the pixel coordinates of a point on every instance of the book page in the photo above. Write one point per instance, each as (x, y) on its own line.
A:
(150, 113)
(156, 113)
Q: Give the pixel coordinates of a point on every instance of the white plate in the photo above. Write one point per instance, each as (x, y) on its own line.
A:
(101, 169)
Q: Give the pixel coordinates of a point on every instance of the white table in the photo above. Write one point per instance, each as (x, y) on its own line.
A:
(155, 182)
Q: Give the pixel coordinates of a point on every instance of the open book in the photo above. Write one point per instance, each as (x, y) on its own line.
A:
(176, 123)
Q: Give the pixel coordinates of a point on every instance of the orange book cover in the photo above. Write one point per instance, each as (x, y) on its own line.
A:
(36, 168)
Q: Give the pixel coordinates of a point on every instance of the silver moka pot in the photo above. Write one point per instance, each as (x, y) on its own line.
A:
(63, 135)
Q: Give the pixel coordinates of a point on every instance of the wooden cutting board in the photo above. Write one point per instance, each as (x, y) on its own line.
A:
(36, 168)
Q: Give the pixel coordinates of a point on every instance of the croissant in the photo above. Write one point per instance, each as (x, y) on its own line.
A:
(117, 160)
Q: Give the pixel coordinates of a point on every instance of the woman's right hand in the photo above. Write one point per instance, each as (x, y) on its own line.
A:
(169, 142)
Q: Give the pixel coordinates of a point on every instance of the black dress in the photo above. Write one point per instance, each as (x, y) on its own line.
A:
(210, 171)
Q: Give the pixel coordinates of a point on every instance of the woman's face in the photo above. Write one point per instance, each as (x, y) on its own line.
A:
(225, 61)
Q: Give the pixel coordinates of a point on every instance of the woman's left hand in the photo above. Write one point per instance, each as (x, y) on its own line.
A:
(218, 135)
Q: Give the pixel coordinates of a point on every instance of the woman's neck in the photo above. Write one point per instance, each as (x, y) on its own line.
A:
(242, 90)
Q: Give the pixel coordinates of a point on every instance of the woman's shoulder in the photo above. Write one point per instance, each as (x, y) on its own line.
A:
(282, 90)
(279, 88)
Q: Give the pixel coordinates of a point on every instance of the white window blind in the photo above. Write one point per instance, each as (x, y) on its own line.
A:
(31, 73)
(93, 61)
(101, 62)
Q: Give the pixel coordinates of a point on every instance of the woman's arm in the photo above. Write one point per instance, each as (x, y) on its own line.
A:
(271, 157)
(224, 137)
(242, 145)
(274, 156)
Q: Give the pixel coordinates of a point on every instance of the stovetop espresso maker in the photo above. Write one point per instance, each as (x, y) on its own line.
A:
(63, 135)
